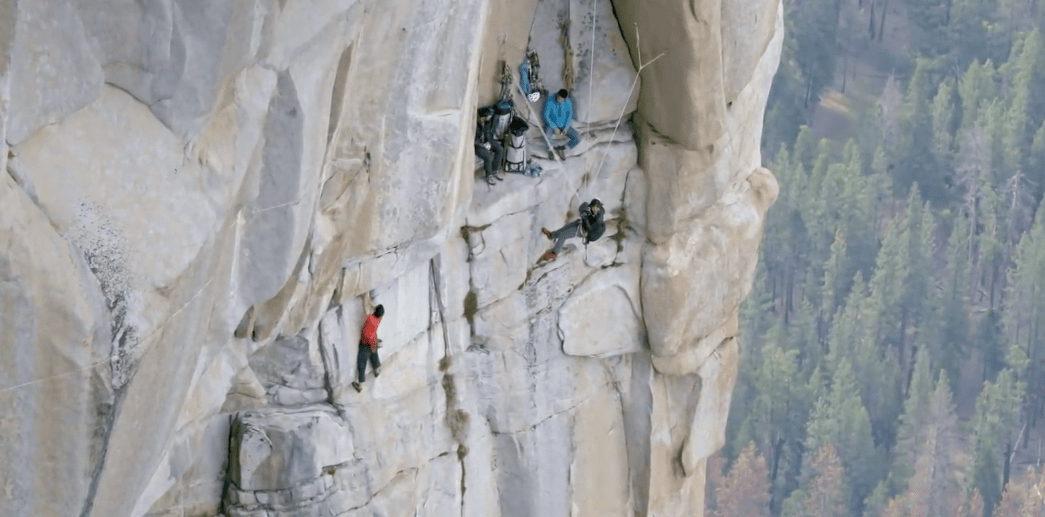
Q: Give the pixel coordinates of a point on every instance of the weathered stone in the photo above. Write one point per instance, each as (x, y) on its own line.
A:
(291, 363)
(52, 72)
(680, 301)
(707, 432)
(610, 90)
(54, 363)
(601, 317)
(682, 91)
(276, 451)
(250, 169)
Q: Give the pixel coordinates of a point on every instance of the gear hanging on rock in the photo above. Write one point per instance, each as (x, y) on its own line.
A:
(506, 81)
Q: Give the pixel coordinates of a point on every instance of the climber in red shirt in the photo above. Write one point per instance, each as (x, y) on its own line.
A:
(368, 343)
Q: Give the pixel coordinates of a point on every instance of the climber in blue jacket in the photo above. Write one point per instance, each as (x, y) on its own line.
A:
(558, 113)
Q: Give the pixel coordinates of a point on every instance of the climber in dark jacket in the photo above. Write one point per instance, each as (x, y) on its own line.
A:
(589, 226)
(368, 344)
(558, 115)
(487, 145)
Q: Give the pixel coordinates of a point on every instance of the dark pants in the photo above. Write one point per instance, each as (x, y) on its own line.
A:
(365, 353)
(566, 232)
(492, 157)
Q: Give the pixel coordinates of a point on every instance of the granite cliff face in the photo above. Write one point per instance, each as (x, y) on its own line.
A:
(195, 196)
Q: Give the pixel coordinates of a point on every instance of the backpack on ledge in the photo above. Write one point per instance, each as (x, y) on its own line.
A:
(515, 151)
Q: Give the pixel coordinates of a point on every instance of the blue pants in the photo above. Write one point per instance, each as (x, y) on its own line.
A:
(365, 353)
(570, 133)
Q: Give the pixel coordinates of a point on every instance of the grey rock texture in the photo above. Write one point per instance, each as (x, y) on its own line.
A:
(196, 197)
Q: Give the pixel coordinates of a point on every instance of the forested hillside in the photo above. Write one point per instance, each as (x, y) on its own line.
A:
(893, 358)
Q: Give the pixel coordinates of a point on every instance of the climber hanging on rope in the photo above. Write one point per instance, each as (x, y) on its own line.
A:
(590, 227)
(368, 344)
(558, 115)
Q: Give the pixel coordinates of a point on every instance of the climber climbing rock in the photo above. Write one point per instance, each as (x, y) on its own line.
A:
(590, 227)
(558, 114)
(368, 344)
(488, 144)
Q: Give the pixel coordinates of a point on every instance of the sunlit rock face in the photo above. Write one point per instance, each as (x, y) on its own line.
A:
(195, 198)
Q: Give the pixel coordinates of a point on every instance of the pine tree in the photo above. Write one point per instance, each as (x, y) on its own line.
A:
(976, 90)
(933, 489)
(803, 336)
(944, 125)
(1017, 209)
(949, 335)
(805, 147)
(1026, 104)
(825, 493)
(921, 227)
(756, 313)
(878, 375)
(914, 417)
(783, 248)
(778, 411)
(974, 171)
(967, 31)
(815, 26)
(889, 112)
(785, 110)
(834, 284)
(1025, 498)
(929, 26)
(887, 286)
(997, 410)
(989, 341)
(744, 492)
(840, 419)
(860, 203)
(875, 504)
(972, 506)
(849, 324)
(713, 477)
(1035, 172)
(1024, 311)
(917, 161)
(989, 244)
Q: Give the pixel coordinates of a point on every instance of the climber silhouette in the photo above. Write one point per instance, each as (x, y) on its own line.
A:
(589, 226)
(368, 344)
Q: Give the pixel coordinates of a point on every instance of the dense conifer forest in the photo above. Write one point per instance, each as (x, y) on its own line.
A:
(893, 344)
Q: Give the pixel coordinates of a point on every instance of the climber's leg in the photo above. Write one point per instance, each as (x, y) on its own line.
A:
(361, 359)
(566, 232)
(488, 156)
(574, 137)
(375, 362)
(498, 159)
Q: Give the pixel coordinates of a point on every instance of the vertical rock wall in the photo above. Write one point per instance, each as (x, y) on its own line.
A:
(194, 197)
